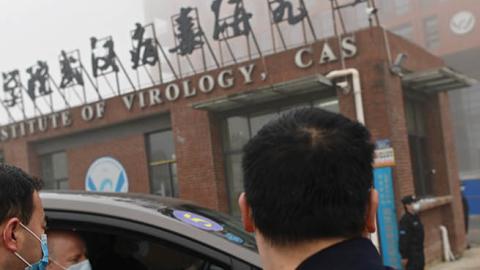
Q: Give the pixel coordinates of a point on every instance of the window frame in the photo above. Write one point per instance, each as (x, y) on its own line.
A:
(418, 138)
(56, 182)
(173, 181)
(431, 35)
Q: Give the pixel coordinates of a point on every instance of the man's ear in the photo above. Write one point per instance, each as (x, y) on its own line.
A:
(371, 215)
(246, 213)
(10, 233)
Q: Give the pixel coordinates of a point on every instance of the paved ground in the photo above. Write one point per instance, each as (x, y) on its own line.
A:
(469, 261)
(474, 231)
(471, 257)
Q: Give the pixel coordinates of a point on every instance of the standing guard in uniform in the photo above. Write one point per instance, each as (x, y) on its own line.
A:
(411, 235)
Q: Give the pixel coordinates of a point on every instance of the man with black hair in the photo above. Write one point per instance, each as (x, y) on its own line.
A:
(411, 235)
(23, 243)
(309, 193)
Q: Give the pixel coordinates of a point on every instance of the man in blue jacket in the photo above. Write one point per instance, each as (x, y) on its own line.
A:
(309, 193)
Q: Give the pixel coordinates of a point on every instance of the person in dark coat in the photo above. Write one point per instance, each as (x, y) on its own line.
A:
(309, 195)
(466, 211)
(411, 235)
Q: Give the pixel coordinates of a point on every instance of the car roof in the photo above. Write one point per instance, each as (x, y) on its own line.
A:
(145, 209)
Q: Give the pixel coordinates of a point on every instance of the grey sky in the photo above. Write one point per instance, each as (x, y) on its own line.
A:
(34, 30)
(39, 29)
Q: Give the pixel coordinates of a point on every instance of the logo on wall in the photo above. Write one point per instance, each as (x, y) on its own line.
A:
(462, 22)
(106, 175)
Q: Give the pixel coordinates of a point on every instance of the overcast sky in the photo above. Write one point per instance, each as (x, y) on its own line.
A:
(33, 30)
(39, 29)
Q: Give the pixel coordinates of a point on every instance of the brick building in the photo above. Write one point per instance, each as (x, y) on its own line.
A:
(450, 30)
(184, 138)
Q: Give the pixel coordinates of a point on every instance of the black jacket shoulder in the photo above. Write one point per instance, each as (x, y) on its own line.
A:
(353, 254)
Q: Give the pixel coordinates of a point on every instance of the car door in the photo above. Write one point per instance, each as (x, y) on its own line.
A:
(120, 243)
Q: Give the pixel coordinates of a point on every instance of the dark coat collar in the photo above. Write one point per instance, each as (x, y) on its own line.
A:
(353, 254)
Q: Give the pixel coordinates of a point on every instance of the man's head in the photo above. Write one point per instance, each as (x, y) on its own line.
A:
(22, 219)
(66, 248)
(308, 176)
(410, 203)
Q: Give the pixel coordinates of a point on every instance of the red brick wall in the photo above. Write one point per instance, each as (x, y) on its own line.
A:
(198, 149)
(442, 155)
(21, 154)
(454, 220)
(431, 220)
(129, 151)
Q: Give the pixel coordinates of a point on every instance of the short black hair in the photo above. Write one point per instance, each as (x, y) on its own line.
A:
(308, 176)
(16, 193)
(409, 199)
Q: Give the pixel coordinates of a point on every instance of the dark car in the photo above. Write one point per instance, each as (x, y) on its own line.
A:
(134, 231)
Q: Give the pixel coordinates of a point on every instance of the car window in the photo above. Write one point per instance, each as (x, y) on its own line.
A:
(114, 247)
(132, 252)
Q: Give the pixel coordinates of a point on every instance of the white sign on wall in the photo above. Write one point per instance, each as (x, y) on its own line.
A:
(106, 174)
(462, 22)
(384, 154)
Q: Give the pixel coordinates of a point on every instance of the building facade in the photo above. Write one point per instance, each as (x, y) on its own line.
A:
(184, 138)
(450, 30)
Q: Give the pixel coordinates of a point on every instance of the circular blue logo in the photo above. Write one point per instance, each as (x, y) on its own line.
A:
(197, 221)
(106, 175)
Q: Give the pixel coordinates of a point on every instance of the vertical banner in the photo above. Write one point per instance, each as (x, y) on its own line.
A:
(387, 217)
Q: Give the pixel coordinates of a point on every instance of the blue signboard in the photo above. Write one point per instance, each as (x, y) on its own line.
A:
(472, 193)
(387, 218)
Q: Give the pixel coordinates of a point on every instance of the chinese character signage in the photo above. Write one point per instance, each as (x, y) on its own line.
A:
(12, 88)
(71, 69)
(234, 25)
(38, 80)
(188, 35)
(231, 19)
(104, 59)
(144, 50)
(282, 10)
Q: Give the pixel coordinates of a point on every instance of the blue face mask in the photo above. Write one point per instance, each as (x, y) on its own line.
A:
(42, 264)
